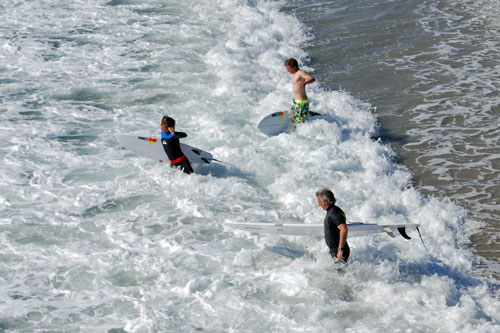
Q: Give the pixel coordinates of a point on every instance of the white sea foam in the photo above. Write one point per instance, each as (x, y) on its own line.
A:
(95, 237)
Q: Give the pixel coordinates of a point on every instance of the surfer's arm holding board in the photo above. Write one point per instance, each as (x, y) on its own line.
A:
(342, 240)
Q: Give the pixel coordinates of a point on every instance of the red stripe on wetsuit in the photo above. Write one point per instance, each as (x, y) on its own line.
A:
(177, 160)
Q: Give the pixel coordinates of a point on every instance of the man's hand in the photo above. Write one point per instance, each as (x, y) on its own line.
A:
(340, 255)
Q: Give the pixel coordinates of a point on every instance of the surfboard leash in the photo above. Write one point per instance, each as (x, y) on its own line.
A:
(225, 163)
(425, 247)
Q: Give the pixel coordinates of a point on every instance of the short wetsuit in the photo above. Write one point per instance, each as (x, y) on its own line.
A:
(300, 110)
(335, 217)
(173, 150)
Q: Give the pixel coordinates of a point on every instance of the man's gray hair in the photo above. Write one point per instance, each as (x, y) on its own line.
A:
(326, 194)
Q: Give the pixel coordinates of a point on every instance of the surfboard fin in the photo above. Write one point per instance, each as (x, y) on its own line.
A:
(389, 231)
(403, 233)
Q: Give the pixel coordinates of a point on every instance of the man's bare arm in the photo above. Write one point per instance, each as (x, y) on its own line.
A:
(343, 238)
(307, 78)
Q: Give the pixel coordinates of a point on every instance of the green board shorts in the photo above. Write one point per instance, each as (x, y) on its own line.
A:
(300, 110)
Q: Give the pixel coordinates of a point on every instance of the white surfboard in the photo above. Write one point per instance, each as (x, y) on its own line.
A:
(280, 122)
(298, 229)
(151, 147)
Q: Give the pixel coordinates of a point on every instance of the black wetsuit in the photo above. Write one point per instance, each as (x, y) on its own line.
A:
(335, 217)
(172, 147)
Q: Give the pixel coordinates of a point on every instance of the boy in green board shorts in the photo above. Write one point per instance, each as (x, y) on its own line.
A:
(299, 80)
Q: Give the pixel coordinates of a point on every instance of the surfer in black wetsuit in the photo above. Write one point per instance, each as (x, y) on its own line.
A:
(170, 141)
(335, 226)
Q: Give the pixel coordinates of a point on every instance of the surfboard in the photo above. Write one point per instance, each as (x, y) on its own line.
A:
(298, 229)
(280, 122)
(151, 147)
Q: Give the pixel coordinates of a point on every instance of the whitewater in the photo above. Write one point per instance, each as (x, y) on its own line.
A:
(97, 238)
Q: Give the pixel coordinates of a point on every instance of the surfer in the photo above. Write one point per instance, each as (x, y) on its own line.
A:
(299, 80)
(335, 226)
(170, 141)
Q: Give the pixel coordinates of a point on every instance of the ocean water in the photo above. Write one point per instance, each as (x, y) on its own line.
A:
(430, 68)
(96, 238)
